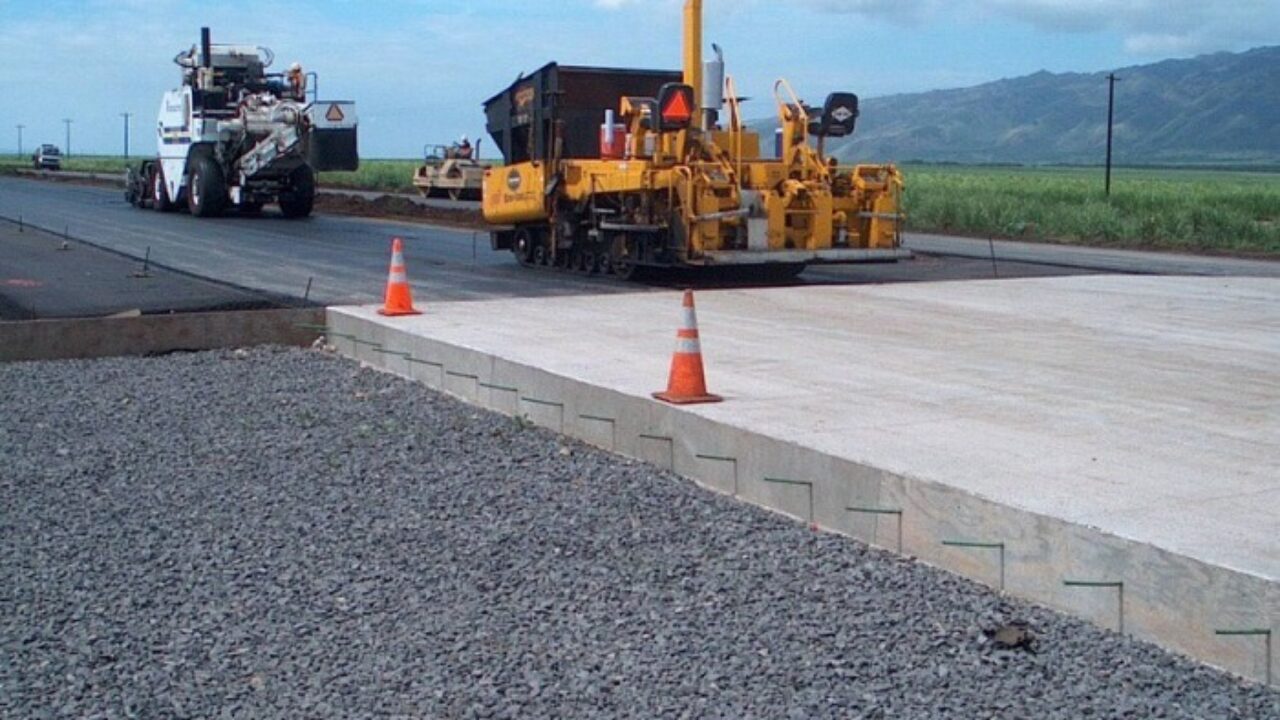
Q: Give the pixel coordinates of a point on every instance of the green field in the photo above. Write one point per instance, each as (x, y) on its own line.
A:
(385, 175)
(105, 164)
(1190, 210)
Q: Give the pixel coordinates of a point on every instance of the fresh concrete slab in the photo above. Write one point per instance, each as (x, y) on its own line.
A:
(1106, 445)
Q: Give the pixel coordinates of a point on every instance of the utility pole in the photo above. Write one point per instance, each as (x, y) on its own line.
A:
(1111, 119)
(20, 127)
(67, 122)
(126, 117)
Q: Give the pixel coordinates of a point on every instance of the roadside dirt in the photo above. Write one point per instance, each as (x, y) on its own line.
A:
(398, 208)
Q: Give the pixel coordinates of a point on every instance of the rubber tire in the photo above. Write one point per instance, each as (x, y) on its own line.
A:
(300, 199)
(206, 188)
(160, 201)
(522, 247)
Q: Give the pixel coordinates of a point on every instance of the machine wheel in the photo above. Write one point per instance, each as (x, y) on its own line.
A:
(131, 194)
(622, 258)
(206, 191)
(522, 248)
(160, 201)
(299, 200)
(588, 262)
(540, 255)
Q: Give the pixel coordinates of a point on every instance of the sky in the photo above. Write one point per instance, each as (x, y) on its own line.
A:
(420, 69)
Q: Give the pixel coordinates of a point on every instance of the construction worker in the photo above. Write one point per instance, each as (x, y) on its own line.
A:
(297, 81)
(463, 150)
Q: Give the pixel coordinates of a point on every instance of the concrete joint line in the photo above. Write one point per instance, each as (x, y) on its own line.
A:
(671, 446)
(798, 483)
(877, 512)
(429, 363)
(723, 459)
(503, 388)
(1253, 632)
(613, 428)
(547, 403)
(464, 376)
(1119, 587)
(981, 546)
(383, 351)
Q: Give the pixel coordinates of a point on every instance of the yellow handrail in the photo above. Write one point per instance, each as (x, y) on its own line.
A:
(782, 84)
(736, 127)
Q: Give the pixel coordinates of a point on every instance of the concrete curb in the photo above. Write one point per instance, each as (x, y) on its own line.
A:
(1134, 588)
(156, 334)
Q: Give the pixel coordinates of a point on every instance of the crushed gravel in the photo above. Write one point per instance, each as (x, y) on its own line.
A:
(279, 533)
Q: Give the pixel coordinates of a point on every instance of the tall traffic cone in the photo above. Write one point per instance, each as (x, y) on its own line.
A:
(399, 299)
(687, 384)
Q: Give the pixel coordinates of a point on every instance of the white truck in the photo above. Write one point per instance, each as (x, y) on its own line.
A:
(236, 136)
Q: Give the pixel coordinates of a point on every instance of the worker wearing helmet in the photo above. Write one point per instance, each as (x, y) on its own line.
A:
(463, 150)
(297, 81)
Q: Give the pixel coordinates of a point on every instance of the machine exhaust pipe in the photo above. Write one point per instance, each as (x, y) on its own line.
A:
(206, 48)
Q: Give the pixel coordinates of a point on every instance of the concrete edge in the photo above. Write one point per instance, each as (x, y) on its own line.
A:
(157, 334)
(1134, 588)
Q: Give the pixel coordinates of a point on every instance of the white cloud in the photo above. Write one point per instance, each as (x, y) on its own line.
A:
(1149, 27)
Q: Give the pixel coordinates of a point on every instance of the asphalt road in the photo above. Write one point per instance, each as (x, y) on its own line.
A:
(344, 259)
(43, 276)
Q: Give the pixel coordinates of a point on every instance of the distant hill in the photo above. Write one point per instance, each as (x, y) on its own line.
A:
(1220, 108)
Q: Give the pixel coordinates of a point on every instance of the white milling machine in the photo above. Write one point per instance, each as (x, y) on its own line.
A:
(236, 136)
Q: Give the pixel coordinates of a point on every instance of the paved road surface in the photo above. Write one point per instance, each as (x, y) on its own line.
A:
(345, 259)
(42, 277)
(1101, 259)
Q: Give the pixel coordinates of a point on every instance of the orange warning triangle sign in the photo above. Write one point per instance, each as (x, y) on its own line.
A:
(334, 114)
(677, 110)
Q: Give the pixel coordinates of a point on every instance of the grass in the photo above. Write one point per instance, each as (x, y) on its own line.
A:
(104, 164)
(1185, 210)
(384, 175)
(1215, 211)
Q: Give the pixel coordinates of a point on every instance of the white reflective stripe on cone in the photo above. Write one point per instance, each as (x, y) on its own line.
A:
(689, 321)
(399, 277)
(688, 346)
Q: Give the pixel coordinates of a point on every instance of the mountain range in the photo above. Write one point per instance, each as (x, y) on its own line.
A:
(1222, 108)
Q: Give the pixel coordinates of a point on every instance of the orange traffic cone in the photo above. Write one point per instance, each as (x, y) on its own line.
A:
(399, 299)
(688, 384)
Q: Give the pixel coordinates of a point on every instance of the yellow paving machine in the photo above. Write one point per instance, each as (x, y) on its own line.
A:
(622, 171)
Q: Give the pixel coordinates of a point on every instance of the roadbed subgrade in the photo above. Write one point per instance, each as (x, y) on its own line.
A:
(399, 208)
(45, 276)
(281, 533)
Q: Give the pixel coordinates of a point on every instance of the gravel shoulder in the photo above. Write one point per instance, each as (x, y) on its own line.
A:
(279, 533)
